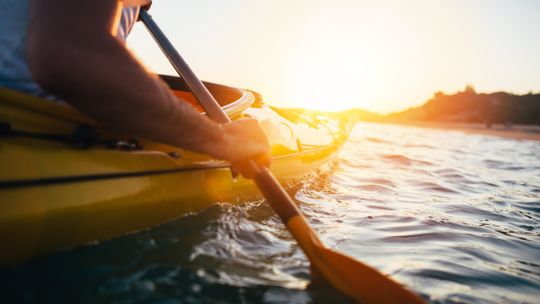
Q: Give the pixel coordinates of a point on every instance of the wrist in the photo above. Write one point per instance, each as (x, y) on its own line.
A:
(214, 141)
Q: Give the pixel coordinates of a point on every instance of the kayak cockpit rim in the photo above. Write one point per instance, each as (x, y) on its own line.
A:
(232, 100)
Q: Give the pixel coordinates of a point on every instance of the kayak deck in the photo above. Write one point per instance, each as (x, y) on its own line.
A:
(54, 194)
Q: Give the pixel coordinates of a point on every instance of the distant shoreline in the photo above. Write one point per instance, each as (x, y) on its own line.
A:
(528, 132)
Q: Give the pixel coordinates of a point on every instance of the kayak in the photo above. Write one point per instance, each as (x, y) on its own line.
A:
(65, 180)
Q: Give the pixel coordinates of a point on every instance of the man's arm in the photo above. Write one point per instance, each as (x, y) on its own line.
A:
(72, 53)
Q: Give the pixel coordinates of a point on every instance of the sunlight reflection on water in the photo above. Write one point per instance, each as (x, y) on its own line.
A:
(453, 216)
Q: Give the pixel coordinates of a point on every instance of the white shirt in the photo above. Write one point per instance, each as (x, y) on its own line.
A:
(14, 71)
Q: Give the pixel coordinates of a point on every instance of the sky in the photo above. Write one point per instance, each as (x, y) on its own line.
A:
(382, 56)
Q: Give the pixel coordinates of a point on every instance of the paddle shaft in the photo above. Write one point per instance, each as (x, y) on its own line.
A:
(271, 189)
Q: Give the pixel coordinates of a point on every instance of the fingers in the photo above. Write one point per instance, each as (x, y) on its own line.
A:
(247, 170)
(246, 142)
(244, 139)
(264, 159)
(249, 128)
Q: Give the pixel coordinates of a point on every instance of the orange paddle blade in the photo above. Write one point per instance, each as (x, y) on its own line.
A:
(353, 278)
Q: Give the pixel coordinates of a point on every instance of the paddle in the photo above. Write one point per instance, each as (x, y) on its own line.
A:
(356, 280)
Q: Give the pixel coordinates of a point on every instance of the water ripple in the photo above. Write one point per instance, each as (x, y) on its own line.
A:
(453, 216)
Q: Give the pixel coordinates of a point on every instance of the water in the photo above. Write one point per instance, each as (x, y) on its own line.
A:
(453, 216)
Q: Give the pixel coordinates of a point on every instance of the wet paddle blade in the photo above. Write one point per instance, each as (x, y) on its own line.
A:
(359, 281)
(353, 278)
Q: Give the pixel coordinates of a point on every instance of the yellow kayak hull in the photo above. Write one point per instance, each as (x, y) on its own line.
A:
(56, 195)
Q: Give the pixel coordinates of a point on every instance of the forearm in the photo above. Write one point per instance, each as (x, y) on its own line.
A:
(103, 80)
(110, 86)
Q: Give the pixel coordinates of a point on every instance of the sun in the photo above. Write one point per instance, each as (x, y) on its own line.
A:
(333, 65)
(340, 81)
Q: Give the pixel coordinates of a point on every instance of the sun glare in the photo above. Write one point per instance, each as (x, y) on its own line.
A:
(339, 65)
(382, 56)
